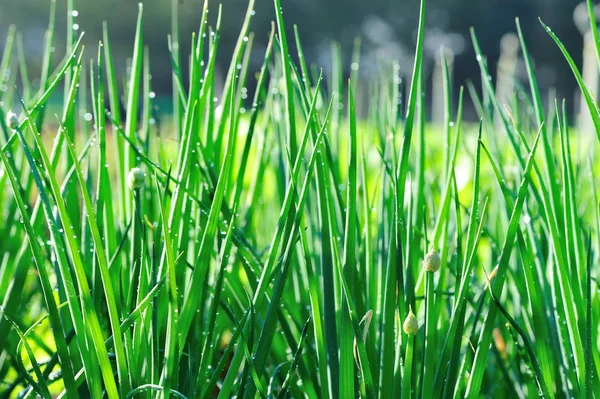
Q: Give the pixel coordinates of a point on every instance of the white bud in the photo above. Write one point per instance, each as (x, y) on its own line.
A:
(432, 262)
(12, 120)
(411, 325)
(136, 178)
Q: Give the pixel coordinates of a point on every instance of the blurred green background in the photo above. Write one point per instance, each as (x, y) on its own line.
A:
(387, 28)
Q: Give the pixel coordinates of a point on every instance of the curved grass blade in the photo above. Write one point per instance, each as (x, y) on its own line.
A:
(485, 337)
(593, 108)
(47, 290)
(92, 327)
(107, 285)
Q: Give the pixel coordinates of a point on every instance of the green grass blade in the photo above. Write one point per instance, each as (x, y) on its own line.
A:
(593, 108)
(289, 99)
(474, 385)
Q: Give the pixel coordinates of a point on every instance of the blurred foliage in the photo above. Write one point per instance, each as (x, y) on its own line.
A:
(387, 27)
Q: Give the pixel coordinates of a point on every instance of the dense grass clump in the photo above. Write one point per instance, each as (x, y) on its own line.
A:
(288, 246)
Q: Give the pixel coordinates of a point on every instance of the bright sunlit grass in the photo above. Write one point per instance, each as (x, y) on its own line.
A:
(285, 245)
